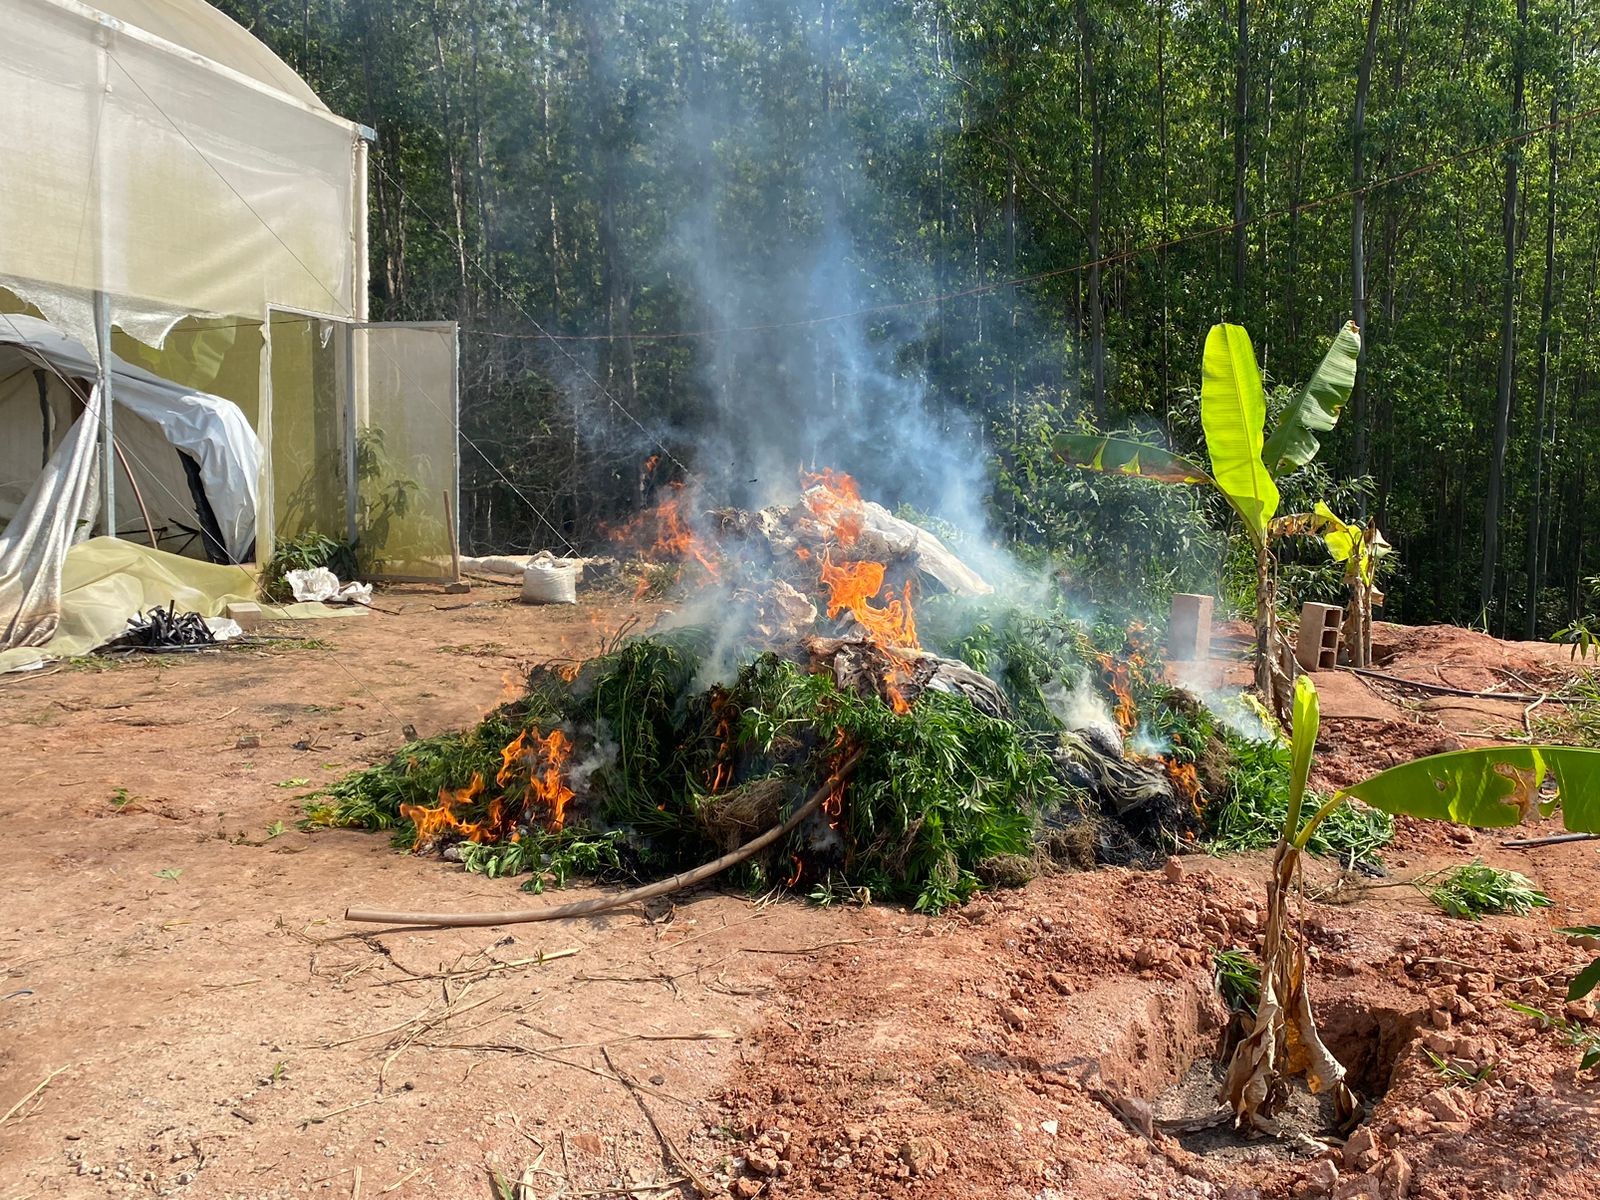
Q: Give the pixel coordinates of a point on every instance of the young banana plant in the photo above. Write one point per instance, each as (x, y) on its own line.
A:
(1245, 462)
(1491, 787)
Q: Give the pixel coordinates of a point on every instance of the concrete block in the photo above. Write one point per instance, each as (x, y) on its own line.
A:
(247, 615)
(1189, 628)
(1317, 647)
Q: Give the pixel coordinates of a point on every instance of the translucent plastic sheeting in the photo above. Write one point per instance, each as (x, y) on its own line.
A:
(197, 25)
(310, 402)
(406, 459)
(106, 581)
(147, 172)
(154, 420)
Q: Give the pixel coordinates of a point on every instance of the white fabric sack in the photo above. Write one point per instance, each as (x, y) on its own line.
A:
(549, 580)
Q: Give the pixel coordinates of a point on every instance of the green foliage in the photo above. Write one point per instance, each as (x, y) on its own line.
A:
(1476, 889)
(1028, 651)
(1122, 546)
(1586, 980)
(1126, 456)
(1576, 723)
(304, 553)
(1460, 1074)
(1306, 571)
(936, 791)
(1574, 1033)
(417, 773)
(553, 858)
(1237, 974)
(1257, 806)
(1316, 409)
(1585, 641)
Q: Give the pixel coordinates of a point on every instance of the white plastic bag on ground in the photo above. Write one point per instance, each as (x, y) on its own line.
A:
(319, 583)
(549, 580)
(315, 583)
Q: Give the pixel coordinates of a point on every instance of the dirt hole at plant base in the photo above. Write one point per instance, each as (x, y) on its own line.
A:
(1368, 1041)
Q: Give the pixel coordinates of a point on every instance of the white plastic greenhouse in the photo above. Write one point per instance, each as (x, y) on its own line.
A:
(190, 220)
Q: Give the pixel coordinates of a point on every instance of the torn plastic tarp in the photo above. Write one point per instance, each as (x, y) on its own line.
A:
(212, 430)
(104, 581)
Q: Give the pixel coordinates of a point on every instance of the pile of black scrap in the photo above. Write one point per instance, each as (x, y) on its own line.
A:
(165, 629)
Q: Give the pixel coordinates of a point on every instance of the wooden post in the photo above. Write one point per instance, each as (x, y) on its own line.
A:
(456, 584)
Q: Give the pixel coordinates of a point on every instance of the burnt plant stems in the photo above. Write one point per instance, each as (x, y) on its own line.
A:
(584, 908)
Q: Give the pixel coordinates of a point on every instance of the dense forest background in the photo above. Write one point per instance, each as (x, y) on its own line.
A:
(910, 239)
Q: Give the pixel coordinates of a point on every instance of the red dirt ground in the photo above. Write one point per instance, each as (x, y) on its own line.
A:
(210, 1027)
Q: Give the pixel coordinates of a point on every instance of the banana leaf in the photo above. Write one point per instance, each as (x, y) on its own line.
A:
(1096, 452)
(1305, 720)
(1316, 409)
(1233, 411)
(1347, 544)
(1492, 786)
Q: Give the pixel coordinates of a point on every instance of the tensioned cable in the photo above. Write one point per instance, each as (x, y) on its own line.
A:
(205, 158)
(529, 317)
(1055, 272)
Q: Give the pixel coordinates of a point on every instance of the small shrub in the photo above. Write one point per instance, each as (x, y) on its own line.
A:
(1477, 889)
(304, 553)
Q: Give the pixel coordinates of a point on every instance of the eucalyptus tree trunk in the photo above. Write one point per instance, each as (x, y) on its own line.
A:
(1530, 623)
(1241, 152)
(1097, 183)
(1358, 236)
(1494, 498)
(1166, 218)
(452, 157)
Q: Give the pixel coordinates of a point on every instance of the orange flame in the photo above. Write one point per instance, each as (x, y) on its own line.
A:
(799, 869)
(1116, 678)
(854, 586)
(835, 501)
(833, 803)
(1186, 781)
(663, 534)
(431, 822)
(506, 809)
(545, 786)
(721, 763)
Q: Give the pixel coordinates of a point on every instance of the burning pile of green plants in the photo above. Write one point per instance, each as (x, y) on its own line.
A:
(630, 766)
